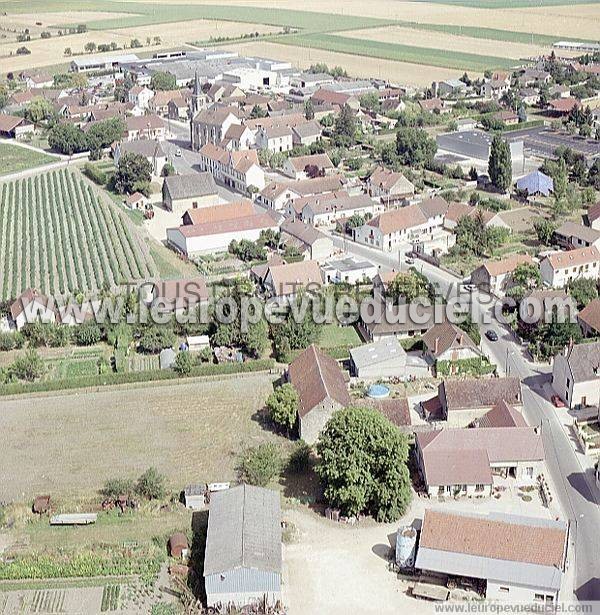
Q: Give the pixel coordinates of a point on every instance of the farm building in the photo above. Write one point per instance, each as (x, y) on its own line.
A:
(242, 560)
(311, 243)
(321, 388)
(101, 63)
(183, 192)
(382, 359)
(475, 144)
(521, 559)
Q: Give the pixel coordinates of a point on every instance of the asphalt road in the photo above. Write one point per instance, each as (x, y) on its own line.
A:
(575, 489)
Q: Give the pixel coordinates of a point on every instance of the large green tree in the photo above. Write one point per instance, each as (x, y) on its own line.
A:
(67, 139)
(133, 174)
(583, 291)
(282, 405)
(163, 81)
(363, 464)
(500, 164)
(101, 134)
(414, 147)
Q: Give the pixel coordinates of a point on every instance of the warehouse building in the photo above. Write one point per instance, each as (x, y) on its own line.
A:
(242, 560)
(476, 145)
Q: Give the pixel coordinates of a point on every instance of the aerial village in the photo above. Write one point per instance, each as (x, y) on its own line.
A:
(447, 458)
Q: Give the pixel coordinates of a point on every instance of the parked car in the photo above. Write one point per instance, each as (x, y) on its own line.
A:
(491, 335)
(470, 288)
(557, 402)
(178, 152)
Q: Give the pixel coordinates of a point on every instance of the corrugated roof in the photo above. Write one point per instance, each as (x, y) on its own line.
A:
(244, 530)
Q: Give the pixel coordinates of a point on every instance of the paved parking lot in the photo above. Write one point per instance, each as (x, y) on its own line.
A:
(542, 141)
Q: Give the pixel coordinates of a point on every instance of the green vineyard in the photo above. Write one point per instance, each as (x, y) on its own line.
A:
(58, 236)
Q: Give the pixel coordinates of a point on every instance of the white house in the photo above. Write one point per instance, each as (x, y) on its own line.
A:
(140, 96)
(393, 229)
(576, 375)
(495, 276)
(560, 268)
(275, 138)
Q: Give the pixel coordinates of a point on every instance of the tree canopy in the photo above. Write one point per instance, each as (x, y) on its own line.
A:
(162, 80)
(414, 147)
(133, 174)
(283, 406)
(500, 164)
(363, 464)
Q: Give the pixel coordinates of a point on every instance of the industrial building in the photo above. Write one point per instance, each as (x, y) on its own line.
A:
(242, 560)
(475, 145)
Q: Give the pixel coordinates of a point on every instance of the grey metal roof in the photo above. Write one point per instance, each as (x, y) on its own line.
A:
(378, 352)
(519, 573)
(244, 530)
(187, 186)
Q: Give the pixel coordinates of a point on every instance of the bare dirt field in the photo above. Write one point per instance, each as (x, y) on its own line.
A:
(192, 431)
(579, 21)
(357, 66)
(48, 52)
(439, 40)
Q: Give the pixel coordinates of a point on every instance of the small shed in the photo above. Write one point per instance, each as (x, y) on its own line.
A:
(536, 183)
(41, 504)
(196, 343)
(195, 497)
(178, 545)
(167, 358)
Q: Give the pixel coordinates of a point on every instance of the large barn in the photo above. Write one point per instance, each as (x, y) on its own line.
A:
(242, 562)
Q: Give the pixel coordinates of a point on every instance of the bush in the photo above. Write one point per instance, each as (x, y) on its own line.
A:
(98, 176)
(184, 363)
(87, 334)
(11, 341)
(115, 487)
(260, 465)
(151, 485)
(283, 406)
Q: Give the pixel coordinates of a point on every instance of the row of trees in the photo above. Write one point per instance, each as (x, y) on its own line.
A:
(69, 139)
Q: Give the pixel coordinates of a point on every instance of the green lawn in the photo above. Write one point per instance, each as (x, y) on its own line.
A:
(333, 336)
(15, 158)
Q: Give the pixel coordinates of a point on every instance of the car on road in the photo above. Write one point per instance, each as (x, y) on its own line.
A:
(178, 152)
(470, 288)
(410, 260)
(491, 335)
(557, 402)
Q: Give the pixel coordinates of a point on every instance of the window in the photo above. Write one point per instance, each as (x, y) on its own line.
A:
(503, 590)
(529, 472)
(480, 488)
(538, 597)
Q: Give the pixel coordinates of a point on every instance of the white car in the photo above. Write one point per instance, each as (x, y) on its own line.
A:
(178, 152)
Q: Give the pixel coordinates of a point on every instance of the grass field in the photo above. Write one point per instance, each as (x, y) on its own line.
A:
(56, 235)
(68, 445)
(15, 158)
(333, 335)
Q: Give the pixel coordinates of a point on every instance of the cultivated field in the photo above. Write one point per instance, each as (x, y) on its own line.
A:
(56, 235)
(68, 445)
(450, 42)
(15, 158)
(453, 35)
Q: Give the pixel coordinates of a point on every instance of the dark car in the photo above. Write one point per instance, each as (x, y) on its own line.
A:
(491, 335)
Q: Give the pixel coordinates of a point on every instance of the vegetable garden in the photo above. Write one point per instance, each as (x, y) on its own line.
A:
(58, 236)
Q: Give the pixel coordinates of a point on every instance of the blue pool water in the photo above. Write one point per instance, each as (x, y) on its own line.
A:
(378, 391)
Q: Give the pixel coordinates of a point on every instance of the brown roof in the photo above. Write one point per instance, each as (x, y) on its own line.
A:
(385, 178)
(243, 160)
(443, 336)
(395, 409)
(457, 210)
(218, 227)
(143, 122)
(480, 392)
(288, 279)
(493, 538)
(316, 376)
(436, 206)
(564, 105)
(431, 104)
(593, 212)
(319, 160)
(502, 415)
(217, 213)
(9, 122)
(399, 219)
(214, 152)
(590, 315)
(457, 467)
(329, 96)
(507, 265)
(573, 258)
